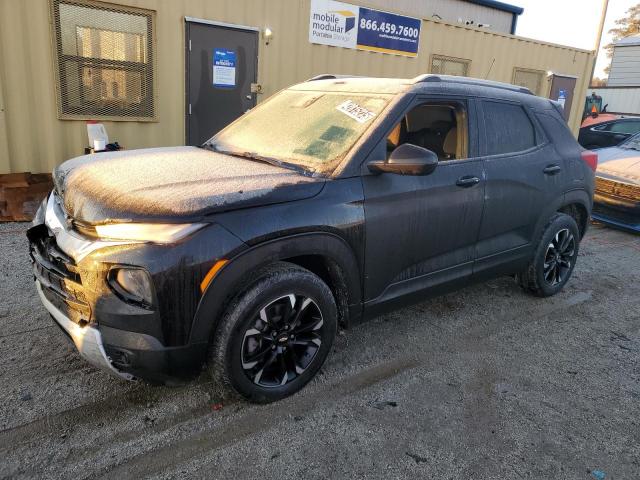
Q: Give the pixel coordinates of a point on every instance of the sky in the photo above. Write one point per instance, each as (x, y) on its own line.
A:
(570, 22)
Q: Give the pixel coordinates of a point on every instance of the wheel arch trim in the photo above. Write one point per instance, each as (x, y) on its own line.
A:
(230, 278)
(579, 197)
(571, 197)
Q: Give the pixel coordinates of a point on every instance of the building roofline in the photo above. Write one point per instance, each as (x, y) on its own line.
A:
(505, 7)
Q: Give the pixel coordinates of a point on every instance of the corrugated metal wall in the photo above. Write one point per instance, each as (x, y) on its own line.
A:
(36, 140)
(625, 67)
(619, 99)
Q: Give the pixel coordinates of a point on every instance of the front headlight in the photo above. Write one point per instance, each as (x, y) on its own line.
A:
(147, 232)
(133, 284)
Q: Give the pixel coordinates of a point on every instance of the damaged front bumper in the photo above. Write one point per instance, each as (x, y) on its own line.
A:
(87, 339)
(121, 337)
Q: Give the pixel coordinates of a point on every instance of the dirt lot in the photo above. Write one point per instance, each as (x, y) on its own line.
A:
(484, 383)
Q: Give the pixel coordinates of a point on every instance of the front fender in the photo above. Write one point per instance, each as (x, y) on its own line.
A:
(233, 277)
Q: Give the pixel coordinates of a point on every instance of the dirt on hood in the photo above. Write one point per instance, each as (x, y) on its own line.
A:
(161, 183)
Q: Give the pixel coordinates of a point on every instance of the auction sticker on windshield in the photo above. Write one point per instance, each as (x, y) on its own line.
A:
(355, 111)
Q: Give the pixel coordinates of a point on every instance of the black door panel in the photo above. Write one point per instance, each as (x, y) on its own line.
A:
(519, 187)
(420, 231)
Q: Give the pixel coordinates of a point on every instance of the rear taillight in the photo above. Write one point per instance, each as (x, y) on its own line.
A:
(590, 158)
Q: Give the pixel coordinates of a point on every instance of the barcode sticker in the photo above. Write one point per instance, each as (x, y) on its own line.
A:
(355, 111)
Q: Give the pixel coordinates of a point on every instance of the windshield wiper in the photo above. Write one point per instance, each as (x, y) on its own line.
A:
(260, 158)
(272, 161)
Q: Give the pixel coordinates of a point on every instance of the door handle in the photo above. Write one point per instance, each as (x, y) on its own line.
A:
(467, 181)
(552, 169)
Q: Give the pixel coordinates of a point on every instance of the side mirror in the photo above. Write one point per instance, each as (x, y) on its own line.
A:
(407, 159)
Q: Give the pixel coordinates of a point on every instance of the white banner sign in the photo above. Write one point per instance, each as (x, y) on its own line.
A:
(333, 23)
(344, 25)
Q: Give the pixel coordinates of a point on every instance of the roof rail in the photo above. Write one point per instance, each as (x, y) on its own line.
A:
(428, 78)
(329, 76)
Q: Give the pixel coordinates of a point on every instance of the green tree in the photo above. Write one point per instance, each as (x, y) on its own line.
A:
(629, 25)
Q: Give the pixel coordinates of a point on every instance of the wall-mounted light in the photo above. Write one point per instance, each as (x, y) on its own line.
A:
(267, 34)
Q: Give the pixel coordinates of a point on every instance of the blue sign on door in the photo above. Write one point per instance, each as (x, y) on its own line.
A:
(388, 33)
(224, 68)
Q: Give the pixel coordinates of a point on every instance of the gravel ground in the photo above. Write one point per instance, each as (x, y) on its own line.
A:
(486, 382)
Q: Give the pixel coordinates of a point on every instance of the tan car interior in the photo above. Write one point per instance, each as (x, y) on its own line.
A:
(434, 127)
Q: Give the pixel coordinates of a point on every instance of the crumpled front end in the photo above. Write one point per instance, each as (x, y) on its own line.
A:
(129, 338)
(617, 203)
(61, 288)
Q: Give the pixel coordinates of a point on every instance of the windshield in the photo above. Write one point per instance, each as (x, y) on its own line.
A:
(305, 129)
(632, 143)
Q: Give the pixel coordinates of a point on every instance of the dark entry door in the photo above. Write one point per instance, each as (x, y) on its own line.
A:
(222, 64)
(562, 91)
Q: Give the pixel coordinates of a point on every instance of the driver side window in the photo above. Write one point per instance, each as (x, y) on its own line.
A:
(437, 126)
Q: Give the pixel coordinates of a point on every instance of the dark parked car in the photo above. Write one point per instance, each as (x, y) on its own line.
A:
(333, 201)
(609, 133)
(617, 195)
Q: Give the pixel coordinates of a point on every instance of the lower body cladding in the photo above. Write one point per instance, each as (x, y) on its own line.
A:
(619, 212)
(128, 355)
(150, 341)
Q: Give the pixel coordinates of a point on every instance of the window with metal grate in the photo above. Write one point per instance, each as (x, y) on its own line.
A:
(531, 79)
(104, 57)
(450, 65)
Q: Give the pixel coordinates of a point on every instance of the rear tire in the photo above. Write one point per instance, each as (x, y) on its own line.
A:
(275, 335)
(554, 258)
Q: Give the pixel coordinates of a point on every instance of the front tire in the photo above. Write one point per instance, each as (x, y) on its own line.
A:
(275, 335)
(554, 259)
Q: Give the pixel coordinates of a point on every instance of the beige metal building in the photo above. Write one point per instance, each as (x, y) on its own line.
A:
(129, 64)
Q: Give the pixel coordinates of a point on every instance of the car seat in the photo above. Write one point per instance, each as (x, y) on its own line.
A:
(450, 144)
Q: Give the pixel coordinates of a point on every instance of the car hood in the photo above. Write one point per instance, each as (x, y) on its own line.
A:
(626, 170)
(613, 153)
(169, 183)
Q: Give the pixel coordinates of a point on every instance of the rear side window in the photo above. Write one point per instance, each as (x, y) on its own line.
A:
(508, 128)
(624, 127)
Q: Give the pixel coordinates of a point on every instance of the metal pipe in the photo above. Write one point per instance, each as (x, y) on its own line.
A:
(603, 16)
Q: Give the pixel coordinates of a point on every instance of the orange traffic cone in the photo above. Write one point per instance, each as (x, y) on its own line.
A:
(594, 111)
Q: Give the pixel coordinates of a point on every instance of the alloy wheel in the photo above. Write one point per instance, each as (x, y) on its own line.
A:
(282, 341)
(558, 257)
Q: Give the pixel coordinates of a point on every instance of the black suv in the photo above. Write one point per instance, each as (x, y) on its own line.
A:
(332, 201)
